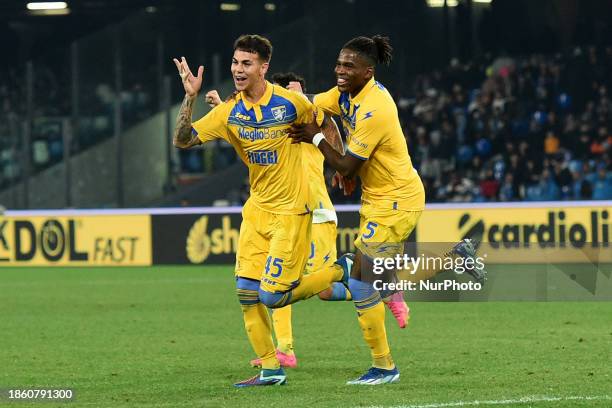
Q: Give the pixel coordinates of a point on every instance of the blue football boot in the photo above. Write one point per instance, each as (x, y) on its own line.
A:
(265, 377)
(377, 376)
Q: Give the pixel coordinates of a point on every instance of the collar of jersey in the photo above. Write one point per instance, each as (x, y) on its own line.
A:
(263, 101)
(364, 91)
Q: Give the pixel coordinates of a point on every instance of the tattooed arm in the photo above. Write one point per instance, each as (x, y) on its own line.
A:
(183, 138)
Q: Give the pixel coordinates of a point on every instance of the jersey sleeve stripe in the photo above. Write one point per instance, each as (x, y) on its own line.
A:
(356, 155)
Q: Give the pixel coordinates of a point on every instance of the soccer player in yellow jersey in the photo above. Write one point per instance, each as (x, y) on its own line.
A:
(324, 221)
(275, 232)
(322, 229)
(392, 192)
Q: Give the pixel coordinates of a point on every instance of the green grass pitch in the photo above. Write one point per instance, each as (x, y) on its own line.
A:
(173, 337)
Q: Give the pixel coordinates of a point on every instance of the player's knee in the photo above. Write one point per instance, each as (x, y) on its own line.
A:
(274, 300)
(326, 294)
(364, 295)
(360, 290)
(336, 292)
(247, 291)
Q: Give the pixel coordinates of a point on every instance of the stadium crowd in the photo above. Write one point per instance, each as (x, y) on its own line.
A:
(530, 128)
(533, 128)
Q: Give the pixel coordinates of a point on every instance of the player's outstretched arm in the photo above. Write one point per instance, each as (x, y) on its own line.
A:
(183, 138)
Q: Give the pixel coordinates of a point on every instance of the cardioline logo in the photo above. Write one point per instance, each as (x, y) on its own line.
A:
(475, 231)
(595, 231)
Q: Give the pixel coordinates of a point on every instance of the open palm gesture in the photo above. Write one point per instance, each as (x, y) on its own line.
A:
(192, 84)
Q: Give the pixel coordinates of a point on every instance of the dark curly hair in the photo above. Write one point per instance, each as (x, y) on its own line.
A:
(283, 79)
(377, 49)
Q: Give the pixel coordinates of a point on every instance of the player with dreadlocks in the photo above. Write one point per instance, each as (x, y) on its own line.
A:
(393, 196)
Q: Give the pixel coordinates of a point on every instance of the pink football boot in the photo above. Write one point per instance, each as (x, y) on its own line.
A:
(399, 308)
(285, 360)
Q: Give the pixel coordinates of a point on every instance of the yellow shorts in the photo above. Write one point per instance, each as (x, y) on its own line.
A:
(388, 226)
(273, 248)
(322, 246)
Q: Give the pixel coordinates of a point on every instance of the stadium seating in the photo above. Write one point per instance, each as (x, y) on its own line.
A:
(532, 128)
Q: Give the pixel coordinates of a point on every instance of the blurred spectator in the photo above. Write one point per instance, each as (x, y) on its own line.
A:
(581, 188)
(521, 128)
(551, 144)
(489, 186)
(504, 128)
(508, 190)
(602, 187)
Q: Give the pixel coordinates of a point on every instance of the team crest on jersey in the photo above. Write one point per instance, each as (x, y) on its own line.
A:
(279, 112)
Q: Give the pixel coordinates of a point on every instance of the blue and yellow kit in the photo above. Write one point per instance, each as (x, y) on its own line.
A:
(393, 196)
(324, 221)
(275, 232)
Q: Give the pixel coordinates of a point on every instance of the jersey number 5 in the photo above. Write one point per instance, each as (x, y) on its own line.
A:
(370, 227)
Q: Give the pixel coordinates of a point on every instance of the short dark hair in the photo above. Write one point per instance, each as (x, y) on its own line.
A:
(256, 44)
(377, 49)
(283, 79)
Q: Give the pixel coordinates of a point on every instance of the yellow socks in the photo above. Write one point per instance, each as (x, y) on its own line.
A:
(259, 330)
(282, 328)
(371, 316)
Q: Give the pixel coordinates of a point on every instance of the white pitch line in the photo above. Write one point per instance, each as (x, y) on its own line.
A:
(523, 400)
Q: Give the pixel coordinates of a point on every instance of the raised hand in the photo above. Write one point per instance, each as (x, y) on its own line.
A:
(191, 83)
(304, 132)
(347, 185)
(212, 98)
(295, 86)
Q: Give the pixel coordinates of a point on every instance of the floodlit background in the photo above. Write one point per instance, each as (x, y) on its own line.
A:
(117, 250)
(503, 100)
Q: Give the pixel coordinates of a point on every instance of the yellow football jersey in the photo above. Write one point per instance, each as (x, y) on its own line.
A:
(323, 210)
(374, 135)
(258, 132)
